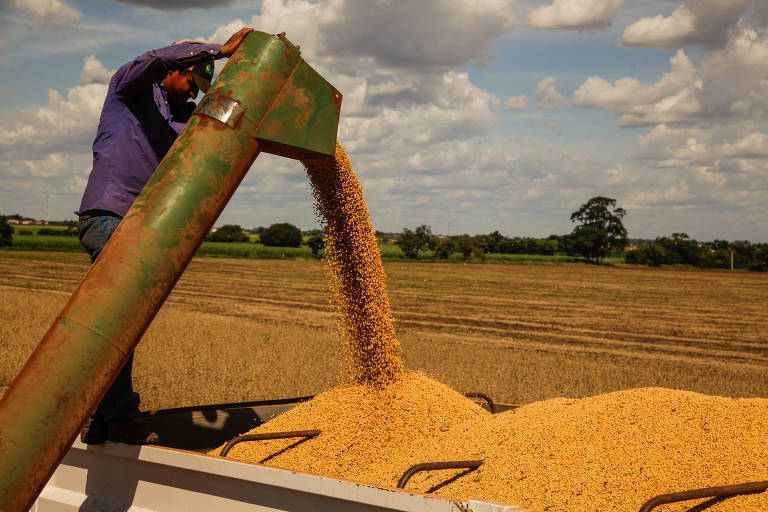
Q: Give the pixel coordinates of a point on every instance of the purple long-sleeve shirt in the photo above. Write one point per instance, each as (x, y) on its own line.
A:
(138, 125)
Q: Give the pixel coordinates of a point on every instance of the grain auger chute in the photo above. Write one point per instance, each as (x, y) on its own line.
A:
(265, 99)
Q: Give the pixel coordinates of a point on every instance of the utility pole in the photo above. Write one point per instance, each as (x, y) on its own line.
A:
(731, 260)
(47, 197)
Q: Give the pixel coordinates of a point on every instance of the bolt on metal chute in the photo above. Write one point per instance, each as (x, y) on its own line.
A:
(266, 99)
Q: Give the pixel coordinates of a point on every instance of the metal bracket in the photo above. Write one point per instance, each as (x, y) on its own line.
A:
(483, 396)
(430, 466)
(707, 492)
(222, 108)
(307, 434)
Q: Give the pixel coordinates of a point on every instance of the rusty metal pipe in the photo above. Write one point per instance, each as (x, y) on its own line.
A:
(706, 492)
(431, 466)
(266, 98)
(483, 396)
(265, 436)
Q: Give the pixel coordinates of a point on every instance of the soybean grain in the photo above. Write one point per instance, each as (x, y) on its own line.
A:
(614, 451)
(358, 281)
(603, 453)
(369, 434)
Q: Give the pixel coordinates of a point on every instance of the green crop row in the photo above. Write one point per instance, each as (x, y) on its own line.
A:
(389, 252)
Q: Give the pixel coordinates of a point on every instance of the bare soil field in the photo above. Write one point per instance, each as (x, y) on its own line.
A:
(236, 329)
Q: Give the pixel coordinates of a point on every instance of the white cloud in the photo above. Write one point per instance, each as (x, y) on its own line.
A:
(574, 14)
(753, 145)
(3, 46)
(47, 13)
(48, 149)
(614, 175)
(547, 96)
(62, 125)
(669, 147)
(457, 32)
(722, 165)
(62, 175)
(94, 72)
(516, 103)
(696, 22)
(393, 104)
(734, 86)
(399, 83)
(707, 152)
(421, 134)
(553, 126)
(224, 32)
(729, 86)
(671, 99)
(406, 126)
(423, 109)
(456, 178)
(51, 166)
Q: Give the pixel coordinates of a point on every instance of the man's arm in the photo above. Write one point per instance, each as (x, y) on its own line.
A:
(153, 66)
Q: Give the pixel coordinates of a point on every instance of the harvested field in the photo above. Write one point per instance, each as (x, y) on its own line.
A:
(257, 329)
(609, 452)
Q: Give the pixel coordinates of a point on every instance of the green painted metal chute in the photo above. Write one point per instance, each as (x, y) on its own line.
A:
(265, 99)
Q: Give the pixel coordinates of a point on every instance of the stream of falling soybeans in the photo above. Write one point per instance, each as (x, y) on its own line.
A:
(358, 281)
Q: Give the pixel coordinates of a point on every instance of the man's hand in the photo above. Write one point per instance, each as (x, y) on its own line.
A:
(228, 48)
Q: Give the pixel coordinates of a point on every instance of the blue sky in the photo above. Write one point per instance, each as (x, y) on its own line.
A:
(467, 116)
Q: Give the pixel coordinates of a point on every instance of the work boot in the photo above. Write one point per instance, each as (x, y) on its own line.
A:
(94, 432)
(132, 433)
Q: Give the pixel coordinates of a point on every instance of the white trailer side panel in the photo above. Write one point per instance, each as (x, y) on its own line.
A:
(115, 477)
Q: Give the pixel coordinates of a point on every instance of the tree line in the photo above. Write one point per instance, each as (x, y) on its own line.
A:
(679, 249)
(599, 232)
(282, 234)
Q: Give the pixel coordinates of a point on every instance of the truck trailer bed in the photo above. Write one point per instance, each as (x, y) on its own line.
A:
(117, 477)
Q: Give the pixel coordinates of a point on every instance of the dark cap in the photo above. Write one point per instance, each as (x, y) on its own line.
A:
(202, 73)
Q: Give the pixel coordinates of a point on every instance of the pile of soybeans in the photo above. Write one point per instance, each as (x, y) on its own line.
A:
(611, 452)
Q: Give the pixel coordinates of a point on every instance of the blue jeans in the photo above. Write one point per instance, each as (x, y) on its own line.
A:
(120, 406)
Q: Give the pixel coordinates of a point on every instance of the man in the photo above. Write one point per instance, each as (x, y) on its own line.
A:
(145, 109)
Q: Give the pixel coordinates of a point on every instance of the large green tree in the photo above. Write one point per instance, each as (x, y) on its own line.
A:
(228, 233)
(411, 242)
(466, 245)
(444, 249)
(600, 230)
(281, 235)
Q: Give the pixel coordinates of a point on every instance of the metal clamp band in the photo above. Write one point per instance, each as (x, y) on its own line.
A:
(222, 108)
